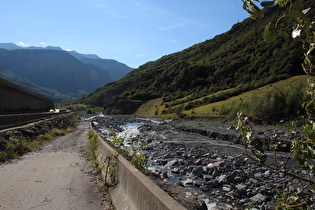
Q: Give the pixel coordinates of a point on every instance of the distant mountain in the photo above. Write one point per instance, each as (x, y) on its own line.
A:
(47, 92)
(82, 56)
(57, 74)
(238, 59)
(54, 69)
(11, 46)
(115, 69)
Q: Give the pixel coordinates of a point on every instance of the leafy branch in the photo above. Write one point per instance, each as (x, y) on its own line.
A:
(135, 154)
(303, 32)
(302, 147)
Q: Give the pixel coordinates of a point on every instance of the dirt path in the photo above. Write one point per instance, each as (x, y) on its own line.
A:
(56, 177)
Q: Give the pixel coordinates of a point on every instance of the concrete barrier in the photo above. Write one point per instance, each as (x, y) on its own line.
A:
(133, 189)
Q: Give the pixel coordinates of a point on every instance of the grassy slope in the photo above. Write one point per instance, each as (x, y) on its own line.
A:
(149, 108)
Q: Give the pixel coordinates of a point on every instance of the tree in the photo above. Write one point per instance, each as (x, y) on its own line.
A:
(303, 146)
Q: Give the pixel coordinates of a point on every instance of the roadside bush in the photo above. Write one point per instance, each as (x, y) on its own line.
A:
(179, 111)
(12, 148)
(58, 132)
(276, 103)
(15, 144)
(89, 111)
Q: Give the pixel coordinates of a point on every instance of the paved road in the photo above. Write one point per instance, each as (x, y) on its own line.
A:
(56, 177)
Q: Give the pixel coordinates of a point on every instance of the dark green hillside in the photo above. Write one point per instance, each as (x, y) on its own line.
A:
(238, 58)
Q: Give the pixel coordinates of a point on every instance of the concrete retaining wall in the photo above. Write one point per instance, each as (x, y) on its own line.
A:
(14, 98)
(134, 190)
(13, 120)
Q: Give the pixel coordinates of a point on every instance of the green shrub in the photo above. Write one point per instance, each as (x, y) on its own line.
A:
(276, 103)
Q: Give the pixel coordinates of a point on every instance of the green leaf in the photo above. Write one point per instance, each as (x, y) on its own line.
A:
(253, 9)
(268, 37)
(282, 3)
(268, 3)
(294, 14)
(284, 34)
(310, 134)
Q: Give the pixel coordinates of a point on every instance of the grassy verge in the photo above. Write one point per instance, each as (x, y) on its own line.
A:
(16, 145)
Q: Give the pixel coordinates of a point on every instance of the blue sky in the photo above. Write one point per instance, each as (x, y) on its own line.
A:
(130, 31)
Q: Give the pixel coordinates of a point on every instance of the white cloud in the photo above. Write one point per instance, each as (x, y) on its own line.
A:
(22, 44)
(43, 43)
(140, 55)
(68, 50)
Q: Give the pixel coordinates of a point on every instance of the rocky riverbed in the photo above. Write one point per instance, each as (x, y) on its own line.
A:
(204, 156)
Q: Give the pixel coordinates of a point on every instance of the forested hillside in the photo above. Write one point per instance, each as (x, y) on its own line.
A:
(238, 59)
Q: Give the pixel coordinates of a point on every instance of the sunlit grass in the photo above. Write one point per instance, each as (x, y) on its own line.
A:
(212, 109)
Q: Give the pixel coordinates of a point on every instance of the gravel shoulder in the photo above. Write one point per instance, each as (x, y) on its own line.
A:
(57, 177)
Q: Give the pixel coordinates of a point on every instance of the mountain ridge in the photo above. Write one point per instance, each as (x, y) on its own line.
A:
(115, 68)
(55, 72)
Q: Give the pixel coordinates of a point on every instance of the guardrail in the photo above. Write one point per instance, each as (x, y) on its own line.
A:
(134, 190)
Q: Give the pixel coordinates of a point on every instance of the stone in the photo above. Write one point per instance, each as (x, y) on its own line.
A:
(213, 184)
(172, 163)
(198, 162)
(188, 182)
(254, 181)
(164, 175)
(238, 162)
(196, 172)
(205, 188)
(258, 175)
(267, 174)
(222, 179)
(180, 184)
(226, 189)
(215, 156)
(259, 197)
(207, 155)
(168, 155)
(215, 173)
(197, 183)
(176, 171)
(241, 187)
(162, 162)
(207, 177)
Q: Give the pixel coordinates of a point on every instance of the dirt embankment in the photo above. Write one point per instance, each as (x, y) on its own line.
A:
(33, 130)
